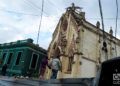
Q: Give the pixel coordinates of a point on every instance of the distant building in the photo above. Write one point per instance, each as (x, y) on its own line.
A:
(22, 57)
(82, 46)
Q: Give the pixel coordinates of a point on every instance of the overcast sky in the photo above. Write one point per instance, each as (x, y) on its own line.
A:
(19, 19)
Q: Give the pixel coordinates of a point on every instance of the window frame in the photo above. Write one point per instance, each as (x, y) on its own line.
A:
(32, 59)
(9, 56)
(4, 57)
(17, 57)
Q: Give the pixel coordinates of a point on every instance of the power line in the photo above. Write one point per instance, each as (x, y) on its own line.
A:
(55, 5)
(39, 8)
(104, 18)
(100, 6)
(104, 37)
(116, 18)
(116, 24)
(10, 11)
(17, 12)
(40, 20)
(34, 5)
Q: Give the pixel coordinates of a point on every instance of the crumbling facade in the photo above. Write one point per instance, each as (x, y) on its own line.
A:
(81, 45)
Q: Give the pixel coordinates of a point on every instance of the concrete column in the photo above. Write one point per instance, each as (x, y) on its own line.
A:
(77, 55)
(76, 66)
(64, 61)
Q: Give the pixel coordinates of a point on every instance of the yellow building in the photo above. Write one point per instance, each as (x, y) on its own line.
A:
(82, 46)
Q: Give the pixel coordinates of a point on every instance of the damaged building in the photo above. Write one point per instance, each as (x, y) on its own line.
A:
(81, 45)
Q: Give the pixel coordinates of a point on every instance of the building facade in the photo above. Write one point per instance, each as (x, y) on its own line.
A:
(82, 46)
(22, 57)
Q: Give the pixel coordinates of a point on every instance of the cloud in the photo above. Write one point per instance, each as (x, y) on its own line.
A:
(8, 35)
(15, 26)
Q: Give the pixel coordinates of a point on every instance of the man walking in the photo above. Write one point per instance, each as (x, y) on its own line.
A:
(55, 65)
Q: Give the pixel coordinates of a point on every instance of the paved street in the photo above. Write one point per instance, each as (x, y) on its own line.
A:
(10, 81)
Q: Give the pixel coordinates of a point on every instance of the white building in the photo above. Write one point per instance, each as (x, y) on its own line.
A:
(82, 46)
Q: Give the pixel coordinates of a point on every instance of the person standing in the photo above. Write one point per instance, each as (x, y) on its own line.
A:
(55, 66)
(44, 63)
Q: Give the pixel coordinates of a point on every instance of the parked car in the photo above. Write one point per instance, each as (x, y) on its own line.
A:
(109, 73)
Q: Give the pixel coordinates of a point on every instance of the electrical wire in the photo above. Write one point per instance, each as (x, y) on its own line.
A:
(52, 4)
(10, 11)
(104, 18)
(116, 24)
(102, 21)
(34, 5)
(116, 18)
(42, 11)
(40, 21)
(104, 37)
(17, 12)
